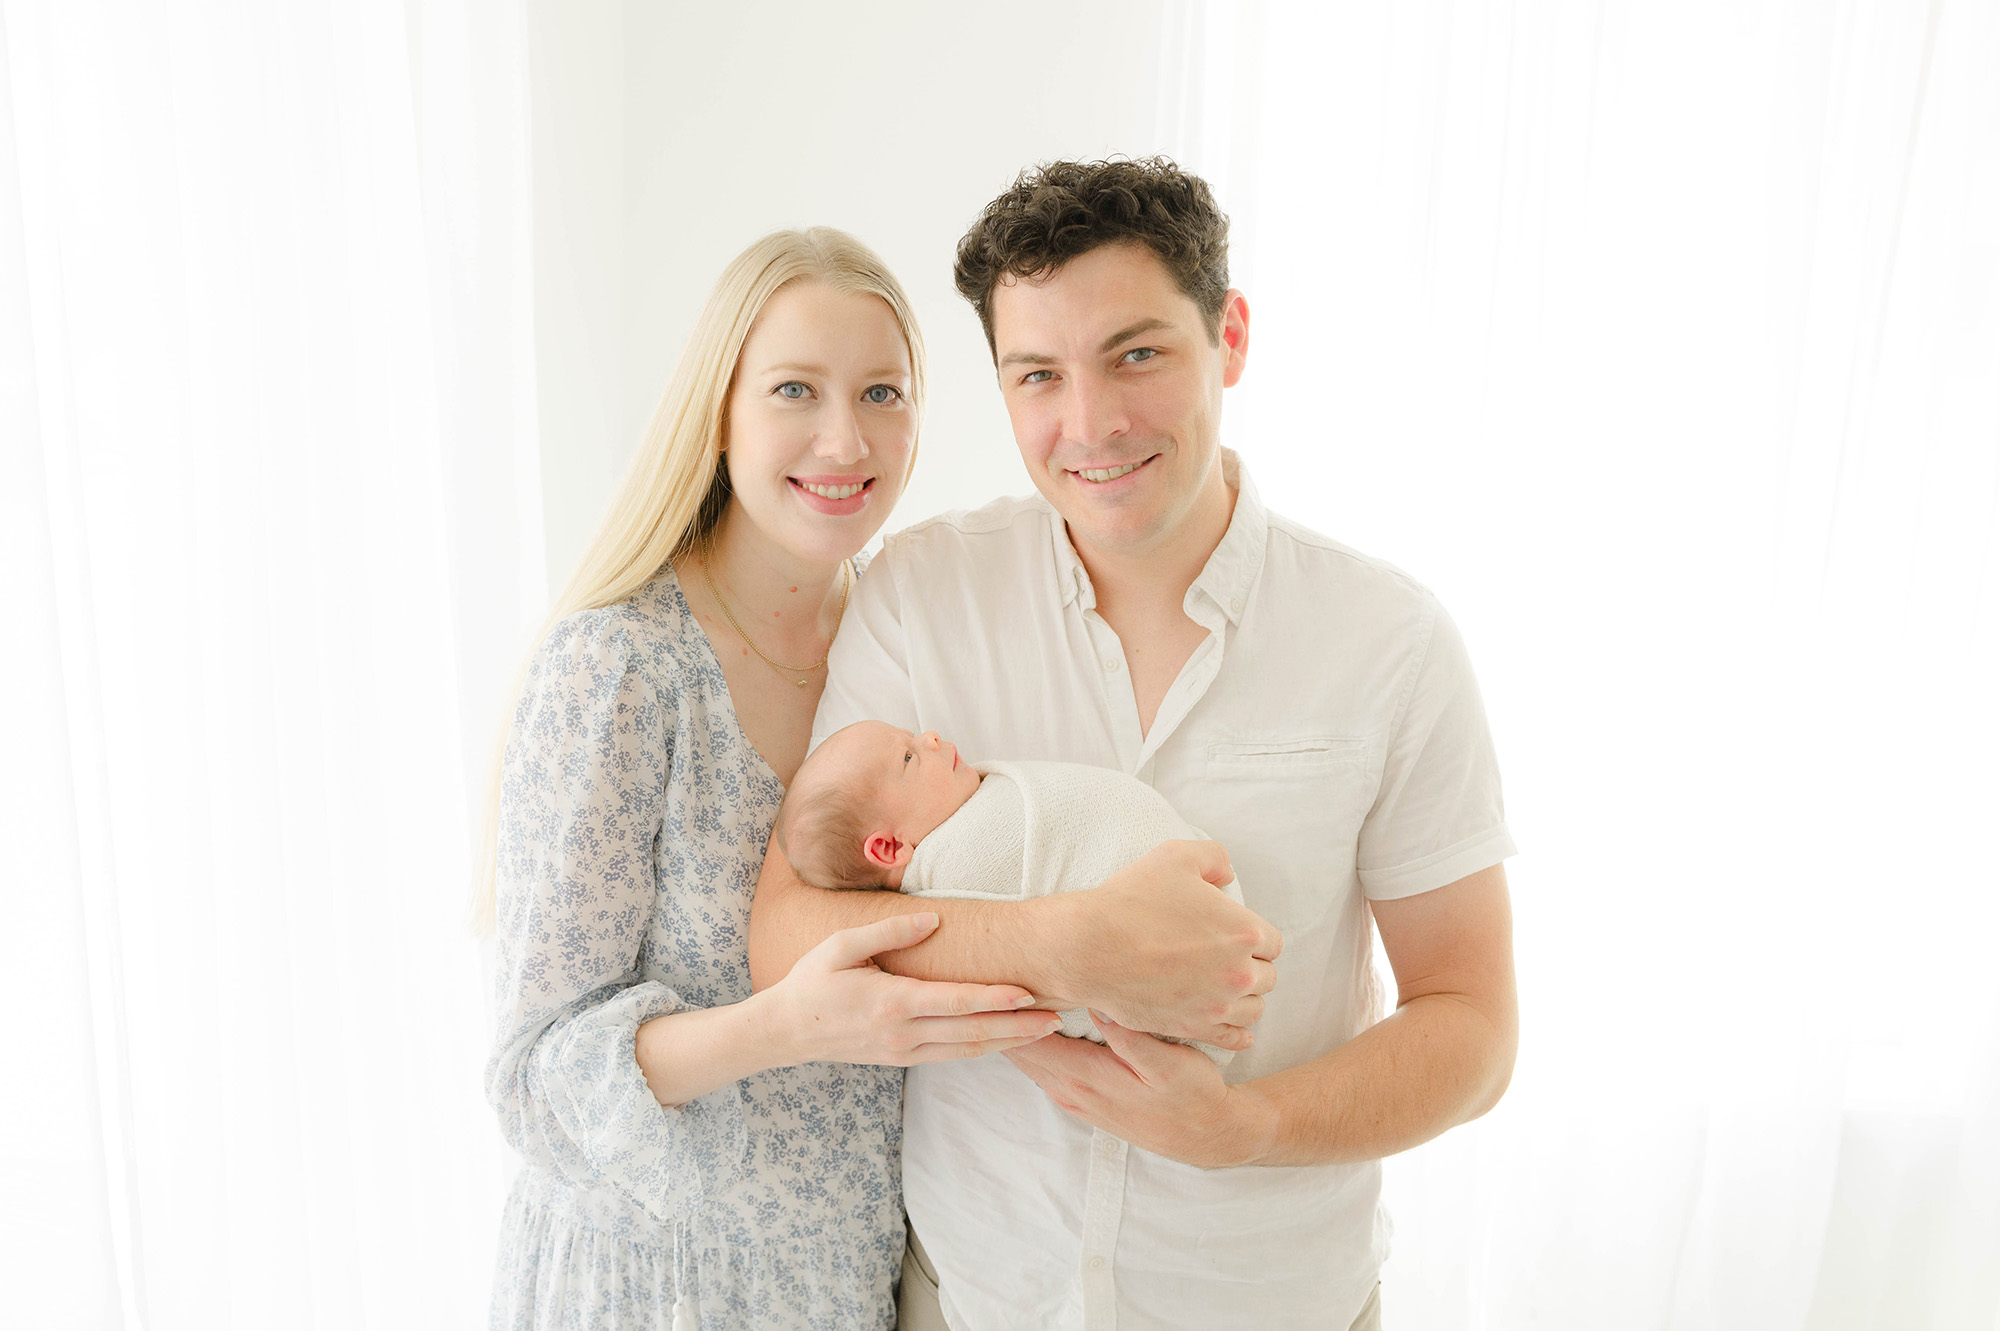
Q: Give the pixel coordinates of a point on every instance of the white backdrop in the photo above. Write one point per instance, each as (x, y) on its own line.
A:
(1662, 341)
(269, 525)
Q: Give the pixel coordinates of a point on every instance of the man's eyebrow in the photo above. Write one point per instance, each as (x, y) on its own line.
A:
(1127, 334)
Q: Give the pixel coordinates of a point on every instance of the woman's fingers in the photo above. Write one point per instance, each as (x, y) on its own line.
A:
(851, 947)
(984, 1027)
(951, 1052)
(942, 998)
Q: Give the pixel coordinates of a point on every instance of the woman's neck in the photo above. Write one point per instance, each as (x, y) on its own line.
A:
(789, 607)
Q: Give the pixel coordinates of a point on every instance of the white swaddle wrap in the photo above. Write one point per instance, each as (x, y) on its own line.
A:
(1035, 829)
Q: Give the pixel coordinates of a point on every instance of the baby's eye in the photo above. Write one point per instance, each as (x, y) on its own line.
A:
(786, 389)
(909, 756)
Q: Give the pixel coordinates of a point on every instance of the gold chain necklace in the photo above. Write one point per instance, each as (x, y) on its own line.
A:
(846, 585)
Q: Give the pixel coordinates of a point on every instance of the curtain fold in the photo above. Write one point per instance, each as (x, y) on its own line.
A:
(272, 526)
(1664, 343)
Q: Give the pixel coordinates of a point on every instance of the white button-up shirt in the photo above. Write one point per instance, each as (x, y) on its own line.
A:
(1329, 733)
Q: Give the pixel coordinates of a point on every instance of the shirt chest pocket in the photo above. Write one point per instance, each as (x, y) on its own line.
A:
(1289, 811)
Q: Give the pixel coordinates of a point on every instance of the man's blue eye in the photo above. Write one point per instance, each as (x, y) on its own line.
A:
(880, 394)
(785, 389)
(1143, 354)
(1037, 376)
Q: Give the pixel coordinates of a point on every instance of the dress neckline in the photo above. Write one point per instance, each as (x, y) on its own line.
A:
(673, 580)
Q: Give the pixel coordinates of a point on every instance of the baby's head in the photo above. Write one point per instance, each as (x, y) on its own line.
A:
(864, 799)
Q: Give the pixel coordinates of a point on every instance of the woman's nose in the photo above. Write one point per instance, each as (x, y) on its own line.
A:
(839, 438)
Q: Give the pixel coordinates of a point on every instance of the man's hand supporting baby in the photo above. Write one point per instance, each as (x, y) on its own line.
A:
(1164, 1097)
(1155, 947)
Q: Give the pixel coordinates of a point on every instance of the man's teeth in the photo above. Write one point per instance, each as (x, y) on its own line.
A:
(1106, 474)
(835, 491)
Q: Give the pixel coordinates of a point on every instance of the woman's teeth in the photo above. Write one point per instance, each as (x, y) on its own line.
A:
(1107, 473)
(835, 491)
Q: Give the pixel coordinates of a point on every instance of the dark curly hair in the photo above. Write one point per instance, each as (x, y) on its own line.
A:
(1060, 210)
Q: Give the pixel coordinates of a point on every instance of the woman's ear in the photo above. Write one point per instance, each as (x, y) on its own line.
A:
(885, 850)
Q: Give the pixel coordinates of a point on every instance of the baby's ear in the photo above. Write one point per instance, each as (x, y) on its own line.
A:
(885, 850)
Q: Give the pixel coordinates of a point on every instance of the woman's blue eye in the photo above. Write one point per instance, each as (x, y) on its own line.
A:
(1143, 354)
(785, 389)
(880, 394)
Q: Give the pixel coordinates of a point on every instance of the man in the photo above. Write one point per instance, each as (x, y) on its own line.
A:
(1310, 708)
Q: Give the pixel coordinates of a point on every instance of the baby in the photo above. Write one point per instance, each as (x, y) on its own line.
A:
(875, 806)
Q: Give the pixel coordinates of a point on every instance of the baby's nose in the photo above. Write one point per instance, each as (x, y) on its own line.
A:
(930, 739)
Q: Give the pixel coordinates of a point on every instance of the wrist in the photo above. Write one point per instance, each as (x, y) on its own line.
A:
(1058, 932)
(767, 1029)
(1250, 1126)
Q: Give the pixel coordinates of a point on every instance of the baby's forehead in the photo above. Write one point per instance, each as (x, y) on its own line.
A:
(869, 739)
(860, 746)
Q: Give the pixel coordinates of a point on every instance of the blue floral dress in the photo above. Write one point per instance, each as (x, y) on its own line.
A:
(633, 819)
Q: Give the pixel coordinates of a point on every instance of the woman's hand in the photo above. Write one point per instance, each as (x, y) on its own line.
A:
(1159, 947)
(838, 1006)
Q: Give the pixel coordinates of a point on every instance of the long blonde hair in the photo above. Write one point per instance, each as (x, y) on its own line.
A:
(678, 485)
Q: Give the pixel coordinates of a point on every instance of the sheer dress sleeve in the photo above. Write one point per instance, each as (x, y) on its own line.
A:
(583, 789)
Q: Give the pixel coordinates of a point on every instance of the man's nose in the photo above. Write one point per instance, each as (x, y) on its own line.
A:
(1096, 413)
(839, 438)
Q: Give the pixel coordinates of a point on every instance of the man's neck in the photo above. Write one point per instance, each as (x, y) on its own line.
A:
(1157, 576)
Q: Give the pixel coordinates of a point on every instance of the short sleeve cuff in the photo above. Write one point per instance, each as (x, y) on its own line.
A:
(1446, 866)
(665, 1159)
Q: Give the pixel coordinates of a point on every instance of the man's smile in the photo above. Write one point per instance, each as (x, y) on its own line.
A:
(1105, 475)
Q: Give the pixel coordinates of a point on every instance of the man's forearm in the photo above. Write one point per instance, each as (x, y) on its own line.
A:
(1438, 1061)
(984, 942)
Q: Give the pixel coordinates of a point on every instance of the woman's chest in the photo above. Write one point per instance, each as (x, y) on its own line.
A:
(774, 712)
(721, 799)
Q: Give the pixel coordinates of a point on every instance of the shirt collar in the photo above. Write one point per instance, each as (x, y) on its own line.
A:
(1231, 570)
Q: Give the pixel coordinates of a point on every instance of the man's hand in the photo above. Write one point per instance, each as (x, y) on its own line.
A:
(1158, 947)
(1165, 1098)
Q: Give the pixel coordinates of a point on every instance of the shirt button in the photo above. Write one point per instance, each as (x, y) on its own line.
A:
(1110, 665)
(1097, 1263)
(1236, 604)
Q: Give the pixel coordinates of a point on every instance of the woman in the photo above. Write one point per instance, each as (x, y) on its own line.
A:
(687, 1145)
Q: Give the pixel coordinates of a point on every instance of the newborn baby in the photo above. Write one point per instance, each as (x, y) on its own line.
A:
(875, 806)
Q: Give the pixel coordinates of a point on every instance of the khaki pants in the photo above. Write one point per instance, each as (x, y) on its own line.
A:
(917, 1300)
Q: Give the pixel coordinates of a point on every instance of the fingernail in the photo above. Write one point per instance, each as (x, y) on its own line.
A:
(926, 920)
(1052, 1027)
(1025, 1000)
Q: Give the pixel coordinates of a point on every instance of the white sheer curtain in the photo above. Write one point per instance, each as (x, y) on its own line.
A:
(1663, 341)
(269, 527)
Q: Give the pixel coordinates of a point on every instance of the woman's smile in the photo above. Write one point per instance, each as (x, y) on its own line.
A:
(835, 496)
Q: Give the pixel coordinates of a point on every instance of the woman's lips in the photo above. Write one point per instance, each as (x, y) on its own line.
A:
(820, 503)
